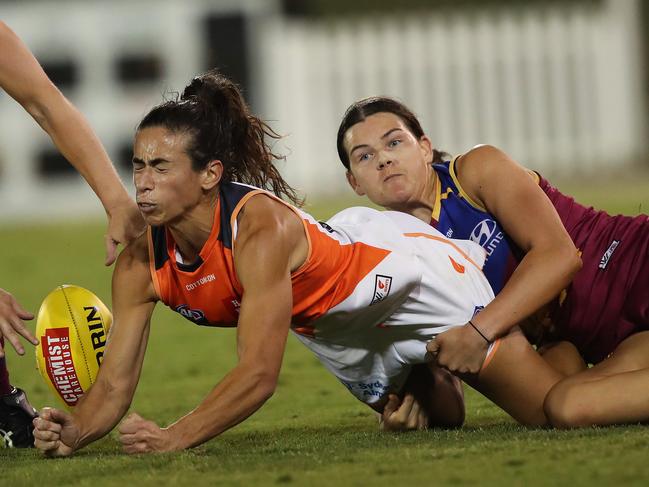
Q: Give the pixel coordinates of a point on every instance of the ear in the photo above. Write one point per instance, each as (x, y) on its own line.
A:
(427, 148)
(351, 179)
(212, 174)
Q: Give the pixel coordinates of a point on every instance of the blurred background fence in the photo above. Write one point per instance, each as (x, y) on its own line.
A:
(558, 85)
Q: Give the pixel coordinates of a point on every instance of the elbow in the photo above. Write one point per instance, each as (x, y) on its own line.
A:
(567, 258)
(38, 111)
(574, 262)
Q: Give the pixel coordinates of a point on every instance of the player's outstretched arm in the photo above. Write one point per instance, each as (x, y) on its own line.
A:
(23, 78)
(263, 257)
(58, 433)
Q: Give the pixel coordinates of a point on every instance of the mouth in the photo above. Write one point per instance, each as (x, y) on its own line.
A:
(391, 176)
(146, 208)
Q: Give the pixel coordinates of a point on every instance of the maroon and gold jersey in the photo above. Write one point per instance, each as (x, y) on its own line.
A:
(608, 299)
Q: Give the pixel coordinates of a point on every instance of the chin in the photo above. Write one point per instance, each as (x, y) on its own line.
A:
(396, 199)
(154, 220)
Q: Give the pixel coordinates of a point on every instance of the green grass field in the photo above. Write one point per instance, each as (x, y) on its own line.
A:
(312, 432)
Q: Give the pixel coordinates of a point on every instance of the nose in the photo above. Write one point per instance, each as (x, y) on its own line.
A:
(383, 160)
(143, 180)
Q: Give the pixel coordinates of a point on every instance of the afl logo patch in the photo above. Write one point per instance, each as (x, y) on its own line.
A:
(195, 315)
(381, 288)
(483, 232)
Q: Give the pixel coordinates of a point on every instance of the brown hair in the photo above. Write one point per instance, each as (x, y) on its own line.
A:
(362, 109)
(212, 109)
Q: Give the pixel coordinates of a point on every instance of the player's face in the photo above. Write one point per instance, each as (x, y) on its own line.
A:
(166, 185)
(387, 162)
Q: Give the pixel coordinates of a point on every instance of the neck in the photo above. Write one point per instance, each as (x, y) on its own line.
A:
(423, 204)
(192, 231)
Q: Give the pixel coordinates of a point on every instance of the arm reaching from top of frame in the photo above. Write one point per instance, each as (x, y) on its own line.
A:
(23, 78)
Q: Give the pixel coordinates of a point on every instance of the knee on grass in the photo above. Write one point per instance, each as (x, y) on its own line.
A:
(567, 407)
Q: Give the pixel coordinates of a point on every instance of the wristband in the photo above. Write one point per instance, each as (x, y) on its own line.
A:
(479, 332)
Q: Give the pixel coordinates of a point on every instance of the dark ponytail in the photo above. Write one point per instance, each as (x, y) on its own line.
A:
(212, 109)
(362, 109)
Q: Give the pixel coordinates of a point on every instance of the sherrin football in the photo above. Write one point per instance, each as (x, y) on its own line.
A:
(72, 328)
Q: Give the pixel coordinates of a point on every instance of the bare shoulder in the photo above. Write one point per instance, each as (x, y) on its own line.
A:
(136, 253)
(482, 157)
(264, 212)
(266, 220)
(486, 162)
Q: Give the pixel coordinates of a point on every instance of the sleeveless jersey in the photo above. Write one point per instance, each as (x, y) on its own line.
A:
(208, 291)
(593, 312)
(456, 215)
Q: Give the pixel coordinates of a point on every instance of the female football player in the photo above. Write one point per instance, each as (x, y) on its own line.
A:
(365, 291)
(529, 229)
(24, 80)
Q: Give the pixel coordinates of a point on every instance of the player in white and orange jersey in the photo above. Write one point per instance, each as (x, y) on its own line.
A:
(25, 81)
(365, 291)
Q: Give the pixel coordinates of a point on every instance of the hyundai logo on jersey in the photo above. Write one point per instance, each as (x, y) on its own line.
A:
(483, 235)
(483, 232)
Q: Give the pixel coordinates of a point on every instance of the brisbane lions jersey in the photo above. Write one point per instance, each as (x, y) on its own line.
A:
(600, 308)
(456, 215)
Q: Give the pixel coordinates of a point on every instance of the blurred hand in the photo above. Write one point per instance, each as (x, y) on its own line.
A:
(406, 415)
(460, 350)
(125, 224)
(55, 433)
(138, 435)
(11, 324)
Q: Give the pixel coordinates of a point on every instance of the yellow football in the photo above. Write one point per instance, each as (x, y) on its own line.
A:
(72, 328)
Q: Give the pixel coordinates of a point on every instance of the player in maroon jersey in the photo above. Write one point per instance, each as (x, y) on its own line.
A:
(604, 313)
(24, 80)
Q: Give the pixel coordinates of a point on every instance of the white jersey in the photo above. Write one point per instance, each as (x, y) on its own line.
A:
(426, 285)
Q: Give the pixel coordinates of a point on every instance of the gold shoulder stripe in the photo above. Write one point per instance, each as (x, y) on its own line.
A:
(437, 206)
(463, 194)
(535, 175)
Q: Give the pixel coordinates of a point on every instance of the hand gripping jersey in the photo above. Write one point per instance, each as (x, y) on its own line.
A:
(374, 289)
(607, 300)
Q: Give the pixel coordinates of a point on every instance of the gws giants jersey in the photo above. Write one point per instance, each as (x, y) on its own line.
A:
(438, 284)
(374, 289)
(208, 291)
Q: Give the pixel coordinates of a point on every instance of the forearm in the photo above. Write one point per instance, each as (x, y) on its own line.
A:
(540, 277)
(75, 139)
(100, 410)
(242, 392)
